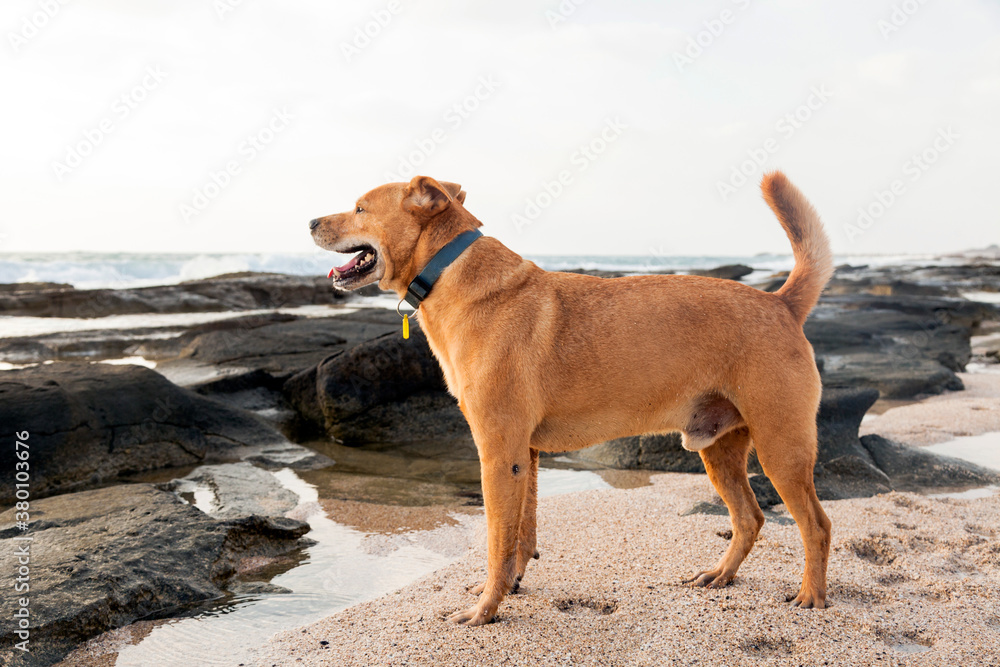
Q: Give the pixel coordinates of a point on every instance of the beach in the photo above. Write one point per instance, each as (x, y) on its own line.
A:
(287, 481)
(913, 580)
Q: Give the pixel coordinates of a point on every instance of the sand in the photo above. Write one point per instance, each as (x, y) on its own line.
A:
(914, 580)
(941, 418)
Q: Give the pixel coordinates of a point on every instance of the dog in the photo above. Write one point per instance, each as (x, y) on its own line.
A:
(545, 361)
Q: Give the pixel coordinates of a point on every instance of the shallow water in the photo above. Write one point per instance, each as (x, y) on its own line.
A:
(337, 572)
(982, 449)
(346, 566)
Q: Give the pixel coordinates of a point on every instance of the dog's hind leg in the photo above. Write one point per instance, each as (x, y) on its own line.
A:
(726, 464)
(788, 457)
(526, 541)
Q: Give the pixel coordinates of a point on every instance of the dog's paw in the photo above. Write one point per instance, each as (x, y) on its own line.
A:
(478, 590)
(808, 600)
(711, 579)
(472, 616)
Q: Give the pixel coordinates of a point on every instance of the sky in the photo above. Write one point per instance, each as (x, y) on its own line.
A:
(576, 126)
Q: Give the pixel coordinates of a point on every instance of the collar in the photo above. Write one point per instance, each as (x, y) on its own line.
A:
(424, 282)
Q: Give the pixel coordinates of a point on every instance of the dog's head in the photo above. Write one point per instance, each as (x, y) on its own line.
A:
(394, 230)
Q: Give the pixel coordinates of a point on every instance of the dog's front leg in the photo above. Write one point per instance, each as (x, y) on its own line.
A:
(505, 483)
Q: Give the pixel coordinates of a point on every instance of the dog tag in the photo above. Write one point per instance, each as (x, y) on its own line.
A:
(406, 326)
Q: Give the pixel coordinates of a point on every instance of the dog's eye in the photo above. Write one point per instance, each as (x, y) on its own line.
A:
(359, 210)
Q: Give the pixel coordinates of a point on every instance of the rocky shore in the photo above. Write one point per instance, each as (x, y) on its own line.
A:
(320, 384)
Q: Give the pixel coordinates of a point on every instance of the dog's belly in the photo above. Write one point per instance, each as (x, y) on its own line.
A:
(582, 428)
(700, 419)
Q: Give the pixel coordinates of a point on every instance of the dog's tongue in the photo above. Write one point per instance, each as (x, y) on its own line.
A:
(345, 267)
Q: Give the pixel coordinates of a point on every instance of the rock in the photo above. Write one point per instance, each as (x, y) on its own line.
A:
(840, 414)
(849, 477)
(898, 279)
(93, 345)
(425, 416)
(931, 311)
(14, 288)
(841, 410)
(104, 558)
(243, 291)
(767, 495)
(893, 377)
(235, 490)
(895, 346)
(272, 346)
(644, 452)
(282, 348)
(94, 422)
(726, 272)
(912, 469)
(772, 284)
(359, 395)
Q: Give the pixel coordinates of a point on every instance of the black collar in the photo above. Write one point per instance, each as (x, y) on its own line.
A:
(424, 282)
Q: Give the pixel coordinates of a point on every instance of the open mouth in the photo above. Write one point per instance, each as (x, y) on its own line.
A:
(360, 265)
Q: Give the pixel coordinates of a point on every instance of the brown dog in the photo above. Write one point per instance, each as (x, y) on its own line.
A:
(545, 361)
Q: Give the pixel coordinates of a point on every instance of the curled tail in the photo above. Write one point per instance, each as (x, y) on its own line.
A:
(810, 245)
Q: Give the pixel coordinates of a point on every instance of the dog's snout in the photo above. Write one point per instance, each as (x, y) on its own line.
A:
(313, 224)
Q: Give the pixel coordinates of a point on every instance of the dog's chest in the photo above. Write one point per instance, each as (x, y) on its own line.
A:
(448, 368)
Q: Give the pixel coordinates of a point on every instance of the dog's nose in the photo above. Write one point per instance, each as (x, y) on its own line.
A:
(313, 224)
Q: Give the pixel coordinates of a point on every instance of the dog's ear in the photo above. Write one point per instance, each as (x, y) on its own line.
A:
(426, 197)
(455, 190)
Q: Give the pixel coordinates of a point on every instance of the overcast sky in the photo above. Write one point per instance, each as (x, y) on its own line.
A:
(592, 128)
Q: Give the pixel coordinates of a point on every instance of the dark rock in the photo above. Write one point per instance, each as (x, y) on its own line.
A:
(772, 284)
(893, 377)
(883, 286)
(896, 346)
(916, 280)
(930, 311)
(104, 558)
(841, 410)
(767, 495)
(93, 422)
(355, 395)
(425, 416)
(14, 288)
(245, 291)
(93, 345)
(644, 452)
(911, 468)
(281, 348)
(276, 348)
(237, 490)
(726, 272)
(840, 415)
(849, 477)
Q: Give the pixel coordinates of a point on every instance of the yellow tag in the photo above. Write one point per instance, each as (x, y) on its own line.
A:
(406, 326)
